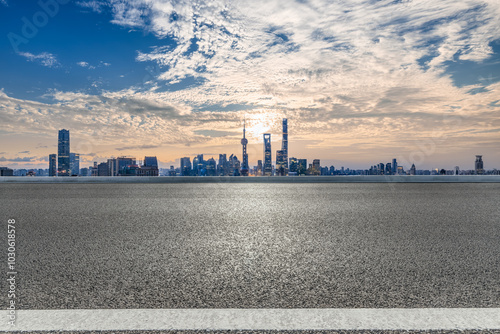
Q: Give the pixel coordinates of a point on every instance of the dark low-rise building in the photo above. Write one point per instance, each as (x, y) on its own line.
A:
(6, 171)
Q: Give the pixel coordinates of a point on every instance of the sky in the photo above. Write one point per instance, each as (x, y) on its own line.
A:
(360, 81)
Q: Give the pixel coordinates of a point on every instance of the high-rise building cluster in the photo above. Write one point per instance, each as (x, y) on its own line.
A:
(67, 163)
(64, 163)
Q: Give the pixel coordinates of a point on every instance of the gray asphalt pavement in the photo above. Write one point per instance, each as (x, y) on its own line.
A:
(255, 245)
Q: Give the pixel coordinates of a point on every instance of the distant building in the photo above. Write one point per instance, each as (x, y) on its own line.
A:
(151, 171)
(199, 165)
(102, 169)
(281, 165)
(186, 166)
(74, 163)
(479, 165)
(316, 168)
(388, 169)
(394, 166)
(194, 169)
(52, 164)
(413, 170)
(63, 158)
(302, 166)
(150, 167)
(122, 163)
(259, 167)
(244, 163)
(293, 165)
(222, 165)
(267, 167)
(234, 166)
(284, 148)
(130, 170)
(6, 171)
(212, 167)
(112, 167)
(150, 162)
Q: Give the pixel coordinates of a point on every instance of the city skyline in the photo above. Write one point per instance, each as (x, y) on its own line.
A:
(361, 82)
(66, 163)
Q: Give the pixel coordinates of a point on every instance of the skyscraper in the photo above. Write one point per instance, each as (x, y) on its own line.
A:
(259, 167)
(479, 165)
(222, 167)
(63, 161)
(280, 163)
(186, 166)
(413, 170)
(302, 166)
(200, 165)
(394, 166)
(150, 162)
(122, 163)
(268, 167)
(293, 165)
(74, 163)
(244, 163)
(211, 167)
(316, 168)
(52, 164)
(284, 147)
(234, 166)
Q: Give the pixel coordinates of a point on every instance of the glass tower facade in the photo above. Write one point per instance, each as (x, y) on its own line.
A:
(63, 159)
(479, 165)
(284, 147)
(268, 167)
(74, 163)
(52, 164)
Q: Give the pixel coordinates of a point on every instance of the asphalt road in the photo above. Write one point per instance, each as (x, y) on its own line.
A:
(91, 246)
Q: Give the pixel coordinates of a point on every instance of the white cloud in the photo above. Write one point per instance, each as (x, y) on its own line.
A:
(86, 65)
(92, 67)
(349, 75)
(44, 58)
(273, 53)
(94, 5)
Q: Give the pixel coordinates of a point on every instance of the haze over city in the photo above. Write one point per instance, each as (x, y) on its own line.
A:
(359, 82)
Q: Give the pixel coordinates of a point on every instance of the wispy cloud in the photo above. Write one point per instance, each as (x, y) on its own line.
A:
(92, 67)
(94, 5)
(18, 159)
(140, 147)
(345, 74)
(44, 58)
(288, 56)
(85, 64)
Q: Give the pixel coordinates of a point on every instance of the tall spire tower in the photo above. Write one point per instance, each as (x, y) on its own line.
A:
(244, 142)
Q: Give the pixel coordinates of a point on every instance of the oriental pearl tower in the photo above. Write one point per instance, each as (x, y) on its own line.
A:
(244, 164)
